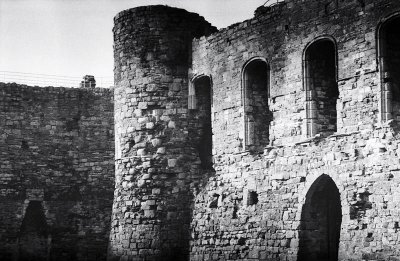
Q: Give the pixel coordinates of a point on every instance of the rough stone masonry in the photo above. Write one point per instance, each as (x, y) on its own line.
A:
(56, 172)
(273, 139)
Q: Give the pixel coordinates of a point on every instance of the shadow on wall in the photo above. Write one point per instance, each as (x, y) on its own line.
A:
(321, 218)
(200, 140)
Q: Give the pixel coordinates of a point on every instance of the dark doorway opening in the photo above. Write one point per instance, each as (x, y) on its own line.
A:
(257, 116)
(321, 218)
(322, 90)
(33, 238)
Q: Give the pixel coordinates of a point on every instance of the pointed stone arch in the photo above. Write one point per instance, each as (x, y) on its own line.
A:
(321, 218)
(33, 237)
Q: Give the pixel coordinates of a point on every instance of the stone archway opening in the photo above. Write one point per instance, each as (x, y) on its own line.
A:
(33, 238)
(321, 218)
(321, 87)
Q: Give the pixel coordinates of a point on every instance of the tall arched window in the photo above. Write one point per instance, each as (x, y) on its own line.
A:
(257, 116)
(200, 100)
(322, 90)
(389, 60)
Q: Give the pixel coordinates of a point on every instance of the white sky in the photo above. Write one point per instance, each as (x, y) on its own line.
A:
(74, 37)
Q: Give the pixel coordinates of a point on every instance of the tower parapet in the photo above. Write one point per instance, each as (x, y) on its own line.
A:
(155, 158)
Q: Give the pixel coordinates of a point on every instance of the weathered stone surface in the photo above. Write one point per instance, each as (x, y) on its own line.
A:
(56, 161)
(253, 203)
(201, 172)
(360, 157)
(155, 133)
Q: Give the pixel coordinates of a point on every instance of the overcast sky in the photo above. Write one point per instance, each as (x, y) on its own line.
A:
(74, 37)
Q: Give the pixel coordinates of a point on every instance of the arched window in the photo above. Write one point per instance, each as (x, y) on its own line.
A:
(321, 87)
(389, 60)
(200, 99)
(257, 116)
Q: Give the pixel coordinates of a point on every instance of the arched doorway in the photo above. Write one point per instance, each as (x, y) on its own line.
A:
(33, 238)
(321, 218)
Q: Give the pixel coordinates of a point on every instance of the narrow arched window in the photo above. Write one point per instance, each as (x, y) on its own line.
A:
(257, 116)
(322, 90)
(200, 100)
(389, 60)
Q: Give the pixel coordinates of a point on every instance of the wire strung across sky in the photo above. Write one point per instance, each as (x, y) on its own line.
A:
(272, 2)
(44, 80)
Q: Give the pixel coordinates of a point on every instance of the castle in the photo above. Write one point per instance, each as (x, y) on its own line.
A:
(273, 139)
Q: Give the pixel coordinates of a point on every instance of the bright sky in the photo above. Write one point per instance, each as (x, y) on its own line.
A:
(74, 37)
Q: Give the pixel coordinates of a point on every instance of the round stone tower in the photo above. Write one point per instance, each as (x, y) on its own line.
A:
(156, 161)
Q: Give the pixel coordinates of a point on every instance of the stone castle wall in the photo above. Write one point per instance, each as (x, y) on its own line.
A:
(56, 172)
(256, 202)
(361, 157)
(294, 182)
(156, 160)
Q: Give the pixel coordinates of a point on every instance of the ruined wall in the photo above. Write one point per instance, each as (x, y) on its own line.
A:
(56, 172)
(156, 158)
(262, 197)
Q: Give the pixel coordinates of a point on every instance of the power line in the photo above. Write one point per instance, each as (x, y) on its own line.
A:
(50, 79)
(272, 2)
